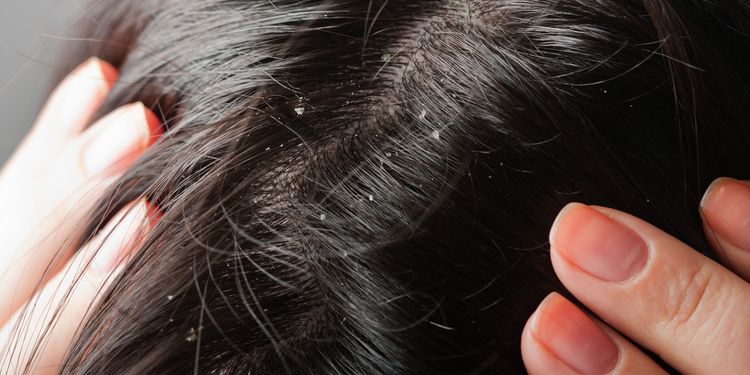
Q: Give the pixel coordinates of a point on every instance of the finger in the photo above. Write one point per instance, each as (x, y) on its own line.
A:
(725, 209)
(560, 339)
(67, 112)
(116, 141)
(654, 289)
(104, 151)
(39, 335)
(73, 103)
(80, 176)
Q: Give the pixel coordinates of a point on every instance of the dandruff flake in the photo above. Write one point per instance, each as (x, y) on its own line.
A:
(192, 336)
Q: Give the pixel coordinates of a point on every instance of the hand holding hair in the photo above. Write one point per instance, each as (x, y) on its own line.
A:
(653, 289)
(62, 168)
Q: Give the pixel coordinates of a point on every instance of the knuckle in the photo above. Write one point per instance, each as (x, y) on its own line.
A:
(686, 301)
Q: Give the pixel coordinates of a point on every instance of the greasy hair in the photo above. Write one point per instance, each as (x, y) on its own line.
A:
(367, 186)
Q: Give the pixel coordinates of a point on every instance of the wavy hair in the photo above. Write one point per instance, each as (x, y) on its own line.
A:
(366, 187)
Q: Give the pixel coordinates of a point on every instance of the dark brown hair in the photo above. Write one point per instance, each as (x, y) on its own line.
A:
(366, 187)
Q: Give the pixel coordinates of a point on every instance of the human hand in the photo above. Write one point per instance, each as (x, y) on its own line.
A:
(655, 290)
(53, 180)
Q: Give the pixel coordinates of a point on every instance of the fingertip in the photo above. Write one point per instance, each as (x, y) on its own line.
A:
(152, 122)
(537, 355)
(563, 333)
(532, 324)
(118, 139)
(534, 355)
(96, 68)
(108, 72)
(725, 211)
(561, 216)
(725, 208)
(122, 235)
(75, 100)
(712, 188)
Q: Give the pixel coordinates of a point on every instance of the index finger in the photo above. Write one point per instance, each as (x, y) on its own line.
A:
(654, 289)
(72, 104)
(67, 112)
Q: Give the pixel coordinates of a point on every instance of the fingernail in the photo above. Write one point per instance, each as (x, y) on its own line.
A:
(597, 244)
(97, 69)
(726, 208)
(122, 233)
(118, 139)
(88, 67)
(572, 337)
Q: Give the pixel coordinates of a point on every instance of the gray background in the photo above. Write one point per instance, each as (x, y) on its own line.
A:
(31, 33)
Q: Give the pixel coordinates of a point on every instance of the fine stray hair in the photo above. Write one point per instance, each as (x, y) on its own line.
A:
(366, 187)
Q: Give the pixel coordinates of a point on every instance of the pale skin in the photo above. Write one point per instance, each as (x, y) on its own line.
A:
(645, 284)
(686, 308)
(54, 178)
